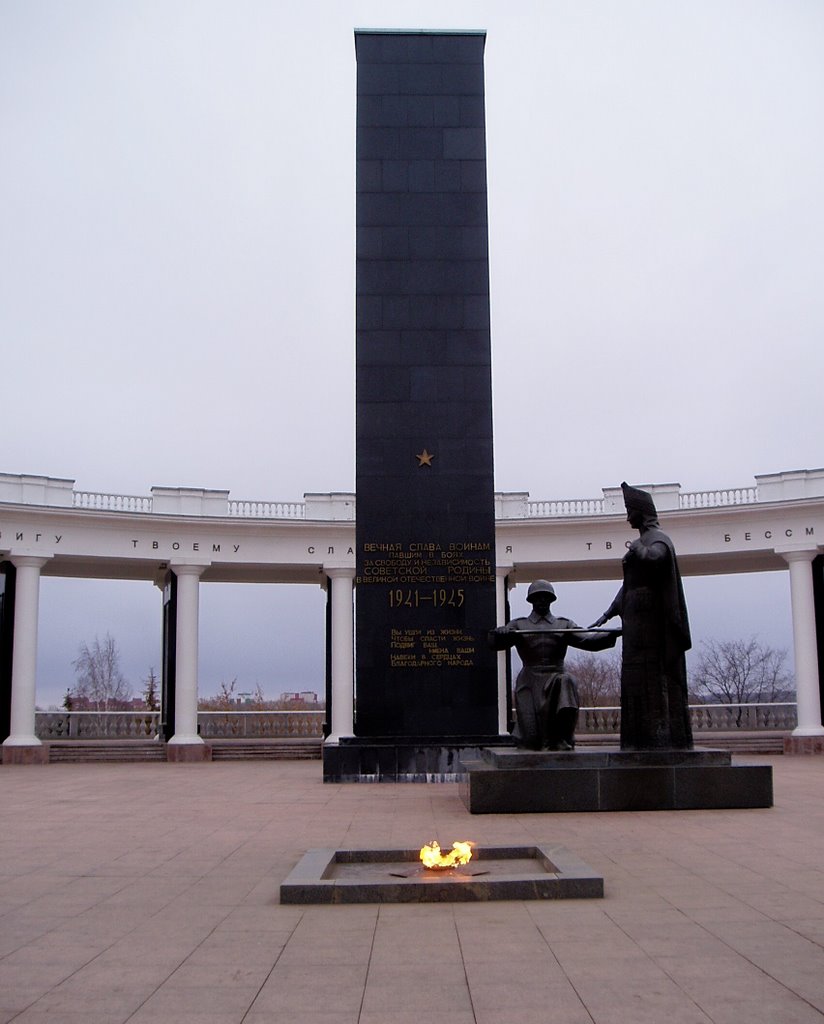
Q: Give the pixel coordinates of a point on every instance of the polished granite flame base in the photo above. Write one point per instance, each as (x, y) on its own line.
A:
(509, 780)
(545, 872)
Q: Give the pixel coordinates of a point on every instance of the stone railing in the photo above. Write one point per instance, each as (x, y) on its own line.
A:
(144, 725)
(339, 506)
(97, 725)
(714, 499)
(566, 507)
(747, 717)
(704, 718)
(111, 502)
(599, 721)
(260, 725)
(268, 509)
(547, 509)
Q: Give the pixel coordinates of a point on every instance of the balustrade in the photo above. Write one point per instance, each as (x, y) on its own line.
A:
(746, 717)
(551, 508)
(111, 502)
(144, 725)
(599, 721)
(97, 725)
(704, 718)
(261, 725)
(245, 509)
(566, 507)
(714, 499)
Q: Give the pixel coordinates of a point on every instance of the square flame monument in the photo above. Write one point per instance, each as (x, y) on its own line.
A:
(426, 686)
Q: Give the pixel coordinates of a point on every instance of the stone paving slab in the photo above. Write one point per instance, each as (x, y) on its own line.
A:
(149, 892)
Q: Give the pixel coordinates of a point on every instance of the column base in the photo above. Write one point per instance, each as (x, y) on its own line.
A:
(804, 744)
(188, 753)
(19, 753)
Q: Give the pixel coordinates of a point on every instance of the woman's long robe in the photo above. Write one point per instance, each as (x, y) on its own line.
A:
(654, 701)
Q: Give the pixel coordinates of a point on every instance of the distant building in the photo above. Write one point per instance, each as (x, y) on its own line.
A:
(301, 697)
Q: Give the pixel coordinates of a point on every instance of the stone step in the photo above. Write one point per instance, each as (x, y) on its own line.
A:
(268, 750)
(80, 752)
(84, 752)
(124, 751)
(747, 742)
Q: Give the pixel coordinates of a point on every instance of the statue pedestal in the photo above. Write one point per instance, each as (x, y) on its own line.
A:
(402, 759)
(506, 780)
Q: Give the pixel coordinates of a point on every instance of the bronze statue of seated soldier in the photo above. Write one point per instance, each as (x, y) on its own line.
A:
(546, 696)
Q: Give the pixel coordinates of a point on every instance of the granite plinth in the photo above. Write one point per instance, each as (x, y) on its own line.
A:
(397, 876)
(804, 744)
(603, 757)
(401, 759)
(518, 781)
(34, 754)
(188, 753)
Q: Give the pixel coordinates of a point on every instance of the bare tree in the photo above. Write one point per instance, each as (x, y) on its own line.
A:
(150, 692)
(226, 694)
(598, 677)
(741, 672)
(99, 679)
(224, 700)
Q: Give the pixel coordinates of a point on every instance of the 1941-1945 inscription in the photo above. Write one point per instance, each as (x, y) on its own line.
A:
(422, 577)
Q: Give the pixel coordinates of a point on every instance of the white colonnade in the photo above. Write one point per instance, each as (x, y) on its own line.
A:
(186, 660)
(342, 582)
(24, 666)
(805, 648)
(501, 573)
(47, 527)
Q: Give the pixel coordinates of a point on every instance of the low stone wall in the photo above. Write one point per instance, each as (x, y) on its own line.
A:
(261, 725)
(704, 717)
(144, 725)
(96, 725)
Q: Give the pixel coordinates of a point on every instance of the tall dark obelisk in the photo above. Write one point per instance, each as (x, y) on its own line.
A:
(426, 684)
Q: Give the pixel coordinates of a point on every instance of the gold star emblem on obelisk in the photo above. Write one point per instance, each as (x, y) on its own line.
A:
(424, 459)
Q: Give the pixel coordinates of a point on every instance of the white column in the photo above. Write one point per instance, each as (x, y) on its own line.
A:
(188, 583)
(343, 653)
(24, 663)
(501, 573)
(805, 648)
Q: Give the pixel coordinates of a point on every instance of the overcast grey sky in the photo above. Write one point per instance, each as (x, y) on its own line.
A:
(177, 249)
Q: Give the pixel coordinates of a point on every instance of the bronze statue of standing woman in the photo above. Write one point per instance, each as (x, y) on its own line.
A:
(654, 702)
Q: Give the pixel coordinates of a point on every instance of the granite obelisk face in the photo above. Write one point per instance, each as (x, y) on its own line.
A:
(425, 583)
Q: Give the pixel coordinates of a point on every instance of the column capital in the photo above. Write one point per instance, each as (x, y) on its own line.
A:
(796, 554)
(189, 568)
(29, 561)
(339, 572)
(506, 573)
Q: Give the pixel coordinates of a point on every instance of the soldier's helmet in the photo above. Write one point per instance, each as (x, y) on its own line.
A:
(540, 587)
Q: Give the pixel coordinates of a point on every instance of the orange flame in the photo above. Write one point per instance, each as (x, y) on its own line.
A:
(432, 857)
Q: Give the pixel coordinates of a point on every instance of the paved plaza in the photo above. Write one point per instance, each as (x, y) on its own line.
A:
(150, 893)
